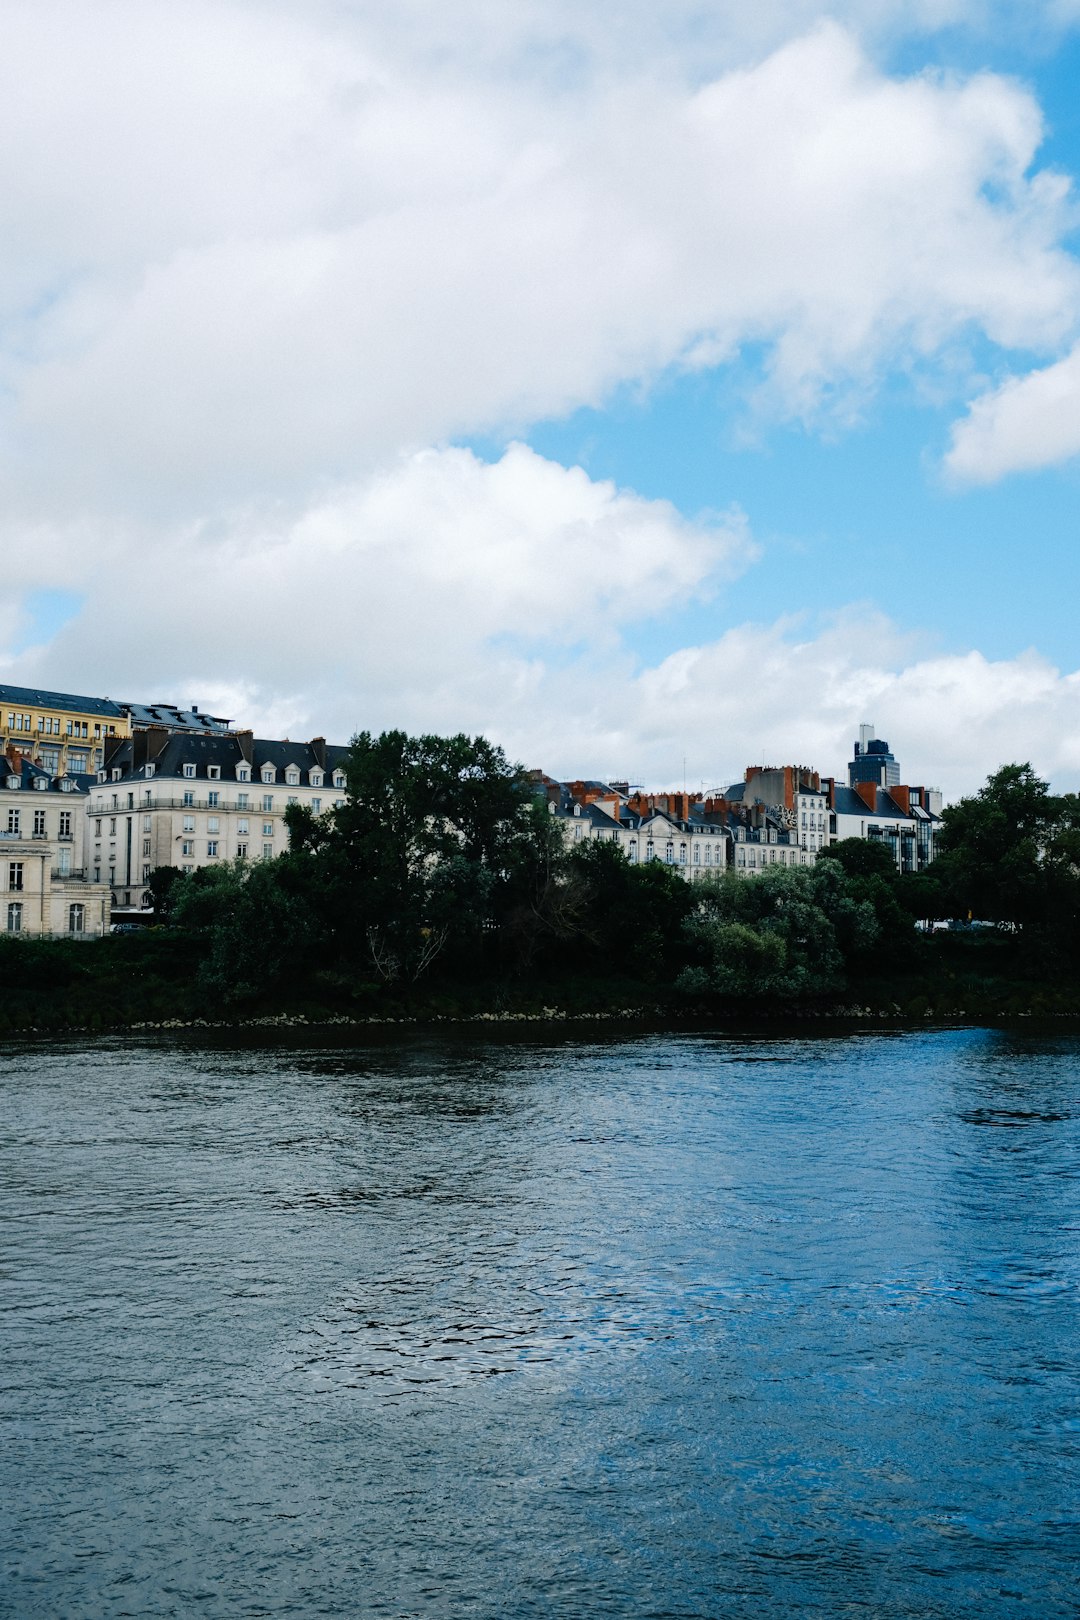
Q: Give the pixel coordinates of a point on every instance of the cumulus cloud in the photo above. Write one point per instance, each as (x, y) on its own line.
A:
(449, 594)
(1027, 423)
(266, 248)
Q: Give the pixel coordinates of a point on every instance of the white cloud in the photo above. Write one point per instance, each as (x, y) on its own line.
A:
(446, 594)
(262, 249)
(1027, 423)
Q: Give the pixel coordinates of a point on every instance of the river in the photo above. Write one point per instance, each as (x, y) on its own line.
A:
(635, 1325)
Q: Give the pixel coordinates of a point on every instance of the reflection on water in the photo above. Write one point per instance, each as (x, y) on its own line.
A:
(651, 1326)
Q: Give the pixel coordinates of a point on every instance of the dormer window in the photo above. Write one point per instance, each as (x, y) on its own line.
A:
(292, 776)
(150, 769)
(14, 781)
(268, 773)
(117, 773)
(315, 778)
(189, 770)
(40, 783)
(214, 772)
(339, 779)
(243, 774)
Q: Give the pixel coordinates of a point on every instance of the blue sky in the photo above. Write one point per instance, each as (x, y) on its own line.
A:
(631, 383)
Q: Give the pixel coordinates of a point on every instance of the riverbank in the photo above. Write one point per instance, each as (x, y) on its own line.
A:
(152, 982)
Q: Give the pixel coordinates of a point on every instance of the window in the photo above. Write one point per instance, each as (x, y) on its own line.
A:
(316, 810)
(147, 823)
(13, 821)
(39, 823)
(241, 850)
(150, 769)
(146, 846)
(697, 854)
(187, 847)
(116, 773)
(187, 868)
(214, 772)
(213, 799)
(115, 805)
(211, 847)
(242, 824)
(339, 779)
(14, 917)
(78, 761)
(669, 852)
(291, 799)
(65, 824)
(131, 801)
(189, 770)
(146, 873)
(97, 874)
(76, 919)
(268, 829)
(213, 824)
(242, 801)
(64, 856)
(50, 760)
(268, 773)
(315, 778)
(292, 777)
(243, 774)
(187, 797)
(268, 852)
(112, 875)
(112, 826)
(189, 823)
(15, 875)
(268, 801)
(682, 854)
(632, 851)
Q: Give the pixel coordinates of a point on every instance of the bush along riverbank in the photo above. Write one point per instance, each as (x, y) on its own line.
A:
(441, 890)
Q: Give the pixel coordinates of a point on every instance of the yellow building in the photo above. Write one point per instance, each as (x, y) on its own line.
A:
(63, 733)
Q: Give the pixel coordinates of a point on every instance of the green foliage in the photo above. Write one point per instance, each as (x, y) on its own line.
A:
(630, 917)
(785, 936)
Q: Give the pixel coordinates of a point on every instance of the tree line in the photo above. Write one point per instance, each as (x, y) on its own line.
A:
(442, 867)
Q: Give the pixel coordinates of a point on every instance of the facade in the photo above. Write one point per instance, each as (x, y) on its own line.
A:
(873, 761)
(44, 887)
(906, 820)
(190, 799)
(61, 732)
(694, 844)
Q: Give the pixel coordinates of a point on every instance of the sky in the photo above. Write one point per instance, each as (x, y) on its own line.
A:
(656, 388)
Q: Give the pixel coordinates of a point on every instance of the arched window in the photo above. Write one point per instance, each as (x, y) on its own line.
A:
(76, 919)
(669, 852)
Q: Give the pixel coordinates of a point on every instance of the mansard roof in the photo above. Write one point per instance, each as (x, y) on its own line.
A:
(34, 697)
(223, 751)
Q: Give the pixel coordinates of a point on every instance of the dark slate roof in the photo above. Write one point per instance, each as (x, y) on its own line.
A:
(168, 714)
(224, 751)
(29, 773)
(33, 697)
(848, 803)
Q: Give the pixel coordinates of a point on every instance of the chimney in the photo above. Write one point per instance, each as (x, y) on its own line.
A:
(14, 759)
(867, 792)
(246, 739)
(318, 748)
(902, 797)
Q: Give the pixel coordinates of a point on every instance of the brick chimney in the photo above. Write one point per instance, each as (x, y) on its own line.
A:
(318, 748)
(246, 739)
(902, 797)
(867, 792)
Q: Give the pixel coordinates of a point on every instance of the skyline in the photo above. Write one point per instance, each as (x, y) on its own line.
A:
(698, 387)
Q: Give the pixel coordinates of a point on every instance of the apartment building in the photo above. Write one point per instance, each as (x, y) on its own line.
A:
(63, 733)
(190, 799)
(44, 886)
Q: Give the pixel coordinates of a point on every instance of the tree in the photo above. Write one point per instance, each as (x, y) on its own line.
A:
(993, 848)
(784, 936)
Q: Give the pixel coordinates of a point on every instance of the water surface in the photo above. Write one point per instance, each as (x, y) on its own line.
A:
(654, 1325)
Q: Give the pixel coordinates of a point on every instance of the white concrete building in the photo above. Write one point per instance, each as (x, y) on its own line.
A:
(189, 800)
(44, 886)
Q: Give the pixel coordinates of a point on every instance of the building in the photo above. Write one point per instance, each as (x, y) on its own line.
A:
(645, 827)
(872, 761)
(906, 820)
(44, 887)
(61, 732)
(193, 798)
